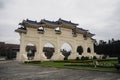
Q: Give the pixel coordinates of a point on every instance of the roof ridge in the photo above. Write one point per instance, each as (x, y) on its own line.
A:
(52, 22)
(31, 21)
(69, 22)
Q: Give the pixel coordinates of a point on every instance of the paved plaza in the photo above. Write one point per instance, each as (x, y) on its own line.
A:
(13, 70)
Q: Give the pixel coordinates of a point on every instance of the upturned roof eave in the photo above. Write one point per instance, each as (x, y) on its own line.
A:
(49, 22)
(67, 22)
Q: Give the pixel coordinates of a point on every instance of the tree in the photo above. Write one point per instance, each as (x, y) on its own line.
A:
(80, 50)
(112, 48)
(88, 50)
(10, 54)
(48, 52)
(2, 51)
(66, 54)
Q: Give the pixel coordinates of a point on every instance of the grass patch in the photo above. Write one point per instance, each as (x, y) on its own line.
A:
(104, 65)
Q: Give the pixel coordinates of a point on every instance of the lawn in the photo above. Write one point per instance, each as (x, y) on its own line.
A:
(103, 65)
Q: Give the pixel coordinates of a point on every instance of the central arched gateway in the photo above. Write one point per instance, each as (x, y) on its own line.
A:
(66, 49)
(56, 33)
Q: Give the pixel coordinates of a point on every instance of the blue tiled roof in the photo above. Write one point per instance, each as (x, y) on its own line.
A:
(91, 34)
(33, 22)
(69, 22)
(82, 29)
(60, 21)
(57, 22)
(51, 22)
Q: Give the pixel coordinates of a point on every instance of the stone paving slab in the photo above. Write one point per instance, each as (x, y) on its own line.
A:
(12, 70)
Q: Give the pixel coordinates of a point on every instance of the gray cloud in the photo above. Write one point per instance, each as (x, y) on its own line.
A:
(99, 16)
(1, 4)
(112, 26)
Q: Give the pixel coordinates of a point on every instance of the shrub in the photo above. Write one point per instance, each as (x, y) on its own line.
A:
(65, 53)
(34, 62)
(77, 58)
(103, 57)
(48, 54)
(65, 58)
(84, 58)
(62, 61)
(80, 50)
(94, 57)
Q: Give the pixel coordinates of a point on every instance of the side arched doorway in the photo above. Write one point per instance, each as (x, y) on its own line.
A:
(30, 49)
(80, 50)
(66, 50)
(88, 50)
(48, 50)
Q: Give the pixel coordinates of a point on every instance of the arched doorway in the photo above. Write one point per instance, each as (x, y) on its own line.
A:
(30, 49)
(66, 50)
(88, 50)
(80, 50)
(48, 50)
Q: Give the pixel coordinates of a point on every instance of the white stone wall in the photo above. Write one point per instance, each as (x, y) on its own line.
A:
(57, 40)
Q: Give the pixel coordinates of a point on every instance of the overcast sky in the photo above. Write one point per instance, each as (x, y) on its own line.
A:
(101, 17)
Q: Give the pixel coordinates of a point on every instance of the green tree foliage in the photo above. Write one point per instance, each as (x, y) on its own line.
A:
(7, 52)
(66, 54)
(48, 52)
(111, 48)
(30, 51)
(80, 50)
(2, 52)
(88, 50)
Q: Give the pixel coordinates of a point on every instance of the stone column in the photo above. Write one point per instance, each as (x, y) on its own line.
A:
(84, 48)
(36, 57)
(57, 54)
(92, 50)
(73, 54)
(39, 54)
(22, 52)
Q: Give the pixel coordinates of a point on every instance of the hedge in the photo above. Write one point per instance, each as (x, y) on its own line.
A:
(35, 62)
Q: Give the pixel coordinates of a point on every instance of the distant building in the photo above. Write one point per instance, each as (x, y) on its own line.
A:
(14, 47)
(8, 51)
